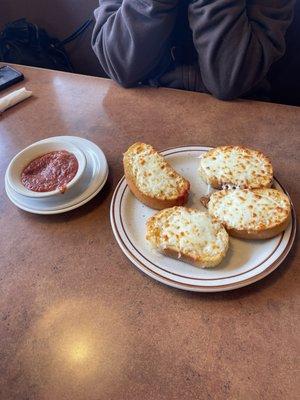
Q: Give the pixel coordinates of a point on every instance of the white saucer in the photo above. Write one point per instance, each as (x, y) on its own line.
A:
(91, 182)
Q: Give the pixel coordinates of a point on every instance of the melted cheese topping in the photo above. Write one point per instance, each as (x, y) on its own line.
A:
(153, 175)
(187, 231)
(237, 166)
(243, 209)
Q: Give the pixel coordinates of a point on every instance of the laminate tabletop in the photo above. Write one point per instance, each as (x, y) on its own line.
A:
(78, 321)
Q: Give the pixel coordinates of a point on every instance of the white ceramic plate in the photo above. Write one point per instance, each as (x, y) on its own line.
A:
(245, 263)
(91, 182)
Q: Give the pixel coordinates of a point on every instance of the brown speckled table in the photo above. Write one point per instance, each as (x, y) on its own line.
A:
(78, 321)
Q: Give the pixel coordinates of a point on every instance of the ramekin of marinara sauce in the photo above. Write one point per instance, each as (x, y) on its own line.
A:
(51, 171)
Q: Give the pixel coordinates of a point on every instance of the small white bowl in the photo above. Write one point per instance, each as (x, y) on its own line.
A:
(22, 159)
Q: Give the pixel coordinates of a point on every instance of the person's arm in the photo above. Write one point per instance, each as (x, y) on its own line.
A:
(237, 41)
(131, 36)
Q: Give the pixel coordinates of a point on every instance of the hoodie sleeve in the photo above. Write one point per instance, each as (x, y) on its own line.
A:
(237, 41)
(132, 36)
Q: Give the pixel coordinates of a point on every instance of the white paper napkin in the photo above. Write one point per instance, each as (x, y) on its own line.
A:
(14, 98)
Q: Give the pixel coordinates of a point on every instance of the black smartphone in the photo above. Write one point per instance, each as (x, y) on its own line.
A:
(9, 76)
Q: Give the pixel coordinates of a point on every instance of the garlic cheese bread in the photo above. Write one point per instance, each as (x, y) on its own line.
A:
(152, 180)
(188, 235)
(236, 166)
(251, 214)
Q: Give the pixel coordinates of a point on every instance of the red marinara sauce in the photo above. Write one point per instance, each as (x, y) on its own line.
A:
(50, 171)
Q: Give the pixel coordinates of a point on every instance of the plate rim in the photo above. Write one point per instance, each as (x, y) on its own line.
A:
(60, 210)
(200, 288)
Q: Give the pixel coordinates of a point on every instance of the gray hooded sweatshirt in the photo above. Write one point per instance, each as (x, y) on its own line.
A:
(223, 47)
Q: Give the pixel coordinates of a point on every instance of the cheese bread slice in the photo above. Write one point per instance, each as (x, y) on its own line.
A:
(152, 180)
(251, 214)
(236, 166)
(188, 235)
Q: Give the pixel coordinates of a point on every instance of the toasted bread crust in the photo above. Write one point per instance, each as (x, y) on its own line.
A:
(158, 229)
(266, 222)
(260, 235)
(236, 166)
(199, 263)
(152, 201)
